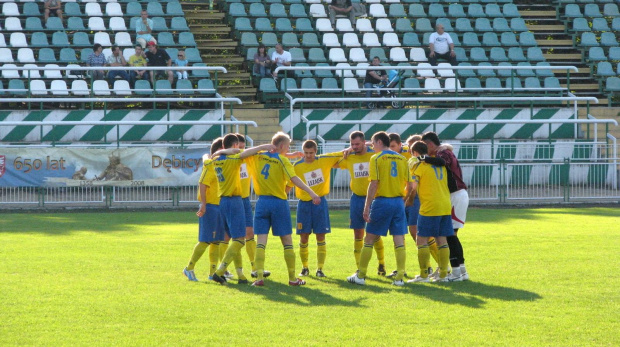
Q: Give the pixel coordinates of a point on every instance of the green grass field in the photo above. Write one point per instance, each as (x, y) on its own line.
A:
(538, 277)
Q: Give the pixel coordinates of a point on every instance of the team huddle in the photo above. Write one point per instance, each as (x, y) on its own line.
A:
(416, 188)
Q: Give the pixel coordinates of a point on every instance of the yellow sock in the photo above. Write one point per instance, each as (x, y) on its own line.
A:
(380, 251)
(321, 254)
(250, 247)
(401, 257)
(260, 260)
(238, 260)
(444, 260)
(223, 248)
(199, 250)
(304, 253)
(289, 257)
(365, 259)
(424, 256)
(357, 251)
(230, 254)
(432, 247)
(214, 257)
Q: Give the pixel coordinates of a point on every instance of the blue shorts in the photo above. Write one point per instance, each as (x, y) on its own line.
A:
(211, 225)
(274, 213)
(387, 214)
(356, 212)
(249, 216)
(311, 217)
(435, 226)
(231, 208)
(413, 211)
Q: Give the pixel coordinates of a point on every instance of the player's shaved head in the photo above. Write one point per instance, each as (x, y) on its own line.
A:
(420, 148)
(310, 144)
(382, 137)
(395, 137)
(230, 140)
(280, 138)
(217, 145)
(356, 135)
(413, 138)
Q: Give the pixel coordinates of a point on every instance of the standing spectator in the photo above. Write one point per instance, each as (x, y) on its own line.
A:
(52, 7)
(180, 61)
(373, 77)
(262, 62)
(341, 7)
(137, 60)
(281, 58)
(144, 28)
(96, 59)
(117, 59)
(441, 47)
(158, 57)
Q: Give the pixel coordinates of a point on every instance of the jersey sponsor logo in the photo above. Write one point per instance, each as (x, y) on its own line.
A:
(361, 170)
(314, 177)
(243, 171)
(2, 165)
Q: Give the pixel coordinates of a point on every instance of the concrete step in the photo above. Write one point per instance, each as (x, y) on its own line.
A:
(582, 87)
(564, 56)
(547, 43)
(544, 27)
(539, 13)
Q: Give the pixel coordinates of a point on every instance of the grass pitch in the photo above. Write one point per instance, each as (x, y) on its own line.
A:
(538, 277)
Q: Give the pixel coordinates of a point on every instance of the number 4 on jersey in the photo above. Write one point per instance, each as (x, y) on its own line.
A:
(265, 171)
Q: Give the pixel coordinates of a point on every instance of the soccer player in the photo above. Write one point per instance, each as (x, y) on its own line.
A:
(384, 208)
(227, 169)
(396, 145)
(459, 199)
(358, 166)
(431, 183)
(270, 172)
(210, 227)
(315, 171)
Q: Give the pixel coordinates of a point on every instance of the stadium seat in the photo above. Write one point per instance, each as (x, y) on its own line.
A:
(492, 83)
(164, 39)
(544, 72)
(187, 39)
(291, 40)
(67, 55)
(10, 74)
(31, 9)
(133, 9)
(75, 24)
(532, 83)
(37, 87)
(486, 72)
(371, 40)
(14, 24)
(102, 38)
(345, 72)
(513, 82)
(466, 72)
(608, 39)
(47, 55)
(452, 84)
(383, 25)
(303, 73)
(10, 9)
(113, 9)
(351, 85)
(237, 10)
(287, 83)
(51, 71)
(552, 82)
(154, 9)
(447, 25)
(418, 55)
(600, 24)
(28, 73)
(297, 55)
(377, 11)
(178, 24)
(502, 72)
(483, 24)
(174, 9)
(81, 39)
(249, 40)
(59, 88)
(425, 72)
(410, 40)
(317, 11)
(205, 87)
(163, 87)
(615, 24)
(510, 11)
(19, 40)
(261, 24)
(398, 54)
(183, 87)
(323, 73)
(79, 87)
(330, 40)
(316, 55)
(490, 40)
(361, 73)
(535, 54)
(588, 39)
(329, 85)
(445, 73)
(100, 87)
(59, 39)
(432, 85)
(493, 10)
(592, 11)
(397, 11)
(390, 40)
(377, 52)
(515, 54)
(17, 87)
(518, 24)
(509, 39)
(96, 24)
(605, 68)
(463, 25)
(501, 25)
(324, 25)
(364, 25)
(525, 72)
(33, 23)
(611, 10)
(284, 25)
(471, 83)
(478, 54)
(350, 40)
(117, 24)
(436, 11)
(344, 25)
(614, 53)
(475, 11)
(456, 11)
(309, 83)
(423, 25)
(403, 25)
(572, 11)
(71, 73)
(310, 40)
(498, 54)
(269, 39)
(471, 40)
(25, 55)
(337, 55)
(411, 83)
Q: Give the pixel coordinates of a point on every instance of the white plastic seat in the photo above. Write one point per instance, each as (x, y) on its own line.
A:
(351, 85)
(350, 40)
(357, 55)
(2, 41)
(69, 73)
(13, 24)
(6, 56)
(377, 11)
(398, 54)
(318, 11)
(59, 87)
(323, 24)
(336, 55)
(121, 87)
(107, 52)
(425, 73)
(391, 40)
(10, 9)
(37, 87)
(364, 25)
(343, 24)
(122, 39)
(33, 73)
(330, 40)
(312, 1)
(10, 74)
(347, 73)
(79, 87)
(117, 24)
(102, 39)
(451, 84)
(372, 1)
(384, 25)
(417, 54)
(128, 52)
(50, 71)
(432, 85)
(18, 40)
(100, 87)
(25, 55)
(445, 73)
(361, 73)
(93, 9)
(96, 23)
(371, 40)
(113, 9)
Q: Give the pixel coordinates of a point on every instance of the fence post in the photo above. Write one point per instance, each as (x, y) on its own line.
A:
(565, 179)
(502, 181)
(41, 193)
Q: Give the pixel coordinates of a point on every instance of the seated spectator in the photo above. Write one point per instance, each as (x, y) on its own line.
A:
(341, 7)
(280, 57)
(180, 61)
(144, 28)
(440, 46)
(96, 59)
(117, 59)
(374, 77)
(156, 56)
(138, 60)
(52, 7)
(262, 63)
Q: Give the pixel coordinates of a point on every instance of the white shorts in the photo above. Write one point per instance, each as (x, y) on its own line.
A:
(460, 202)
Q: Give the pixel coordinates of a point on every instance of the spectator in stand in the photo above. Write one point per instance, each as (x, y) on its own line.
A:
(138, 60)
(117, 59)
(262, 63)
(374, 77)
(441, 47)
(96, 59)
(341, 7)
(52, 7)
(180, 61)
(281, 58)
(144, 28)
(159, 57)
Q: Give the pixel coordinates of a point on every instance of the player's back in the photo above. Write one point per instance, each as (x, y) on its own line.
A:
(270, 173)
(392, 172)
(209, 179)
(432, 189)
(227, 171)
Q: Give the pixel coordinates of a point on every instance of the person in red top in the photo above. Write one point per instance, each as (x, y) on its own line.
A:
(459, 199)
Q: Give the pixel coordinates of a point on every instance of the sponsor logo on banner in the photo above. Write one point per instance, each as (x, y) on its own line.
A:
(2, 165)
(314, 178)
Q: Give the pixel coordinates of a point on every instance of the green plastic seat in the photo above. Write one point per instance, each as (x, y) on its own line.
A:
(514, 82)
(509, 39)
(297, 11)
(456, 10)
(17, 86)
(423, 25)
(72, 9)
(34, 23)
(67, 55)
(535, 54)
(46, 55)
(490, 40)
(472, 82)
(552, 82)
(243, 24)
(417, 11)
(510, 11)
(611, 10)
(283, 25)
(323, 73)
(475, 11)
(483, 24)
(471, 40)
(155, 9)
(193, 55)
(411, 83)
(614, 53)
(60, 39)
(39, 39)
(267, 85)
(504, 73)
(615, 24)
(277, 10)
(544, 72)
(302, 73)
(316, 55)
(310, 40)
(290, 40)
(309, 83)
(205, 87)
(143, 87)
(492, 83)
(592, 11)
(436, 10)
(485, 73)
(604, 68)
(163, 87)
(329, 85)
(178, 24)
(518, 24)
(498, 54)
(531, 83)
(187, 39)
(81, 39)
(463, 25)
(411, 40)
(611, 84)
(478, 54)
(492, 10)
(465, 72)
(397, 10)
(588, 39)
(378, 52)
(237, 10)
(572, 11)
(302, 24)
(201, 73)
(53, 23)
(455, 39)
(600, 24)
(257, 10)
(262, 24)
(184, 87)
(165, 39)
(460, 54)
(249, 40)
(134, 9)
(174, 9)
(75, 24)
(447, 25)
(525, 72)
(608, 39)
(501, 25)
(269, 39)
(515, 54)
(403, 25)
(527, 39)
(297, 55)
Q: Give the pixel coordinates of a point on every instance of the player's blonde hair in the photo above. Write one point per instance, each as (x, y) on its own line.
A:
(279, 138)
(413, 138)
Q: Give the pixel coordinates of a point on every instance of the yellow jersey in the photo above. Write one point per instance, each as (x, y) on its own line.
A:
(227, 172)
(358, 166)
(209, 179)
(432, 189)
(316, 175)
(391, 171)
(270, 173)
(404, 151)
